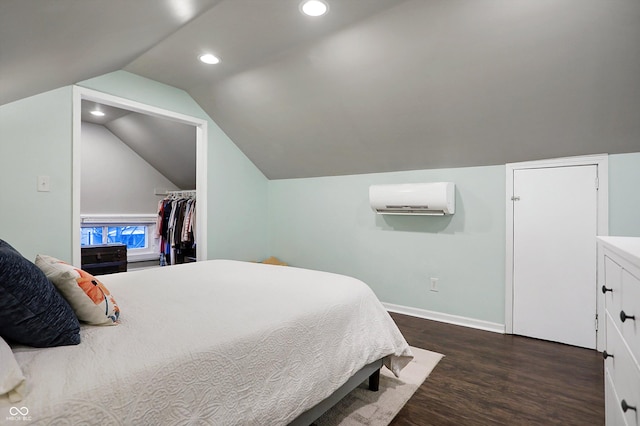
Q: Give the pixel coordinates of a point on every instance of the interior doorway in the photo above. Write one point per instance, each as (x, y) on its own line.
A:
(555, 209)
(83, 95)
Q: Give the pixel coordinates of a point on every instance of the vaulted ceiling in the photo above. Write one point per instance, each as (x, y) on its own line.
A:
(372, 86)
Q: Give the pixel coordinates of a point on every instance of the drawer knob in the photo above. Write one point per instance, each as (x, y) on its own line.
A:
(606, 355)
(626, 406)
(605, 290)
(624, 317)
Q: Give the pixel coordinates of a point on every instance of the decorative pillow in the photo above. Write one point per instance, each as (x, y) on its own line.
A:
(32, 312)
(11, 377)
(88, 297)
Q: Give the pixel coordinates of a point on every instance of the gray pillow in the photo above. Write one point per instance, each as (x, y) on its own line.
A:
(32, 312)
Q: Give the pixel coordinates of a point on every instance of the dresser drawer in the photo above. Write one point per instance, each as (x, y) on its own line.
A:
(106, 253)
(614, 415)
(630, 328)
(612, 285)
(104, 259)
(624, 373)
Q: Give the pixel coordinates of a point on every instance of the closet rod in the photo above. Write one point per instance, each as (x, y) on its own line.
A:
(191, 193)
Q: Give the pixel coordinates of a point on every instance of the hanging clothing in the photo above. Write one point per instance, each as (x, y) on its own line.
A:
(176, 228)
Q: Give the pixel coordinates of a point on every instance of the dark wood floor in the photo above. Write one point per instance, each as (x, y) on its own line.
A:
(488, 378)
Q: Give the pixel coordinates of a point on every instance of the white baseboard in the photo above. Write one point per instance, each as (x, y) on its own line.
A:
(448, 318)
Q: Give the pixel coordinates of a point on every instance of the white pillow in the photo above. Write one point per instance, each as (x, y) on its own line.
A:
(89, 298)
(11, 378)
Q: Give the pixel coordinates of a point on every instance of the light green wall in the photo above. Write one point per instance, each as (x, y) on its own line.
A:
(624, 194)
(35, 139)
(326, 223)
(237, 190)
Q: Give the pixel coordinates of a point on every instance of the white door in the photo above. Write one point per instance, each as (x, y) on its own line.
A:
(554, 253)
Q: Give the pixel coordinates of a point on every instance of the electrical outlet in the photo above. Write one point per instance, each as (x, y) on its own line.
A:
(434, 284)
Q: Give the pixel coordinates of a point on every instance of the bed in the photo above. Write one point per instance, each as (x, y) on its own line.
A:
(217, 342)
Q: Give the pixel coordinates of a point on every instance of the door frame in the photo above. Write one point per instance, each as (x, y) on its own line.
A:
(82, 93)
(602, 163)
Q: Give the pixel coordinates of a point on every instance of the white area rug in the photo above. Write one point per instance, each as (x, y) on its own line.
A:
(363, 407)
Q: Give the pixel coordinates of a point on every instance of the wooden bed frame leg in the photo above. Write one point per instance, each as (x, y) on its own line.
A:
(374, 381)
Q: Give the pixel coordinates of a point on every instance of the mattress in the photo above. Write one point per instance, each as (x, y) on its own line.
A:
(217, 342)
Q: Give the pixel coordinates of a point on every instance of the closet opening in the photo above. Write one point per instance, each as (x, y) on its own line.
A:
(132, 164)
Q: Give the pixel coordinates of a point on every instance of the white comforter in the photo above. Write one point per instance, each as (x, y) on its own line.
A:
(217, 342)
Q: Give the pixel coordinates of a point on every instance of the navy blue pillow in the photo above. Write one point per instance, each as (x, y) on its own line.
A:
(32, 312)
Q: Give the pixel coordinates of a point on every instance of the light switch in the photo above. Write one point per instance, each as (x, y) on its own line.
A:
(44, 183)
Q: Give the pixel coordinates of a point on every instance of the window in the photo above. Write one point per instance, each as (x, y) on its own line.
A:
(137, 232)
(91, 235)
(133, 236)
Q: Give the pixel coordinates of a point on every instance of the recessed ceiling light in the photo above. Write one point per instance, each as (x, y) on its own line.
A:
(314, 7)
(210, 59)
(97, 113)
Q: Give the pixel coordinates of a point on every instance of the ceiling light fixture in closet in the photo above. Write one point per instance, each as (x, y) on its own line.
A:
(209, 59)
(314, 7)
(97, 113)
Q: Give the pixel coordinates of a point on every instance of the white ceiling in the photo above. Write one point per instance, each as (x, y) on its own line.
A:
(375, 85)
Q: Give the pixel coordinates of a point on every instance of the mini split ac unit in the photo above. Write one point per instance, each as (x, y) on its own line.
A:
(432, 199)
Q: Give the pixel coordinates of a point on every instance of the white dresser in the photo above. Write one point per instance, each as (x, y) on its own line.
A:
(621, 290)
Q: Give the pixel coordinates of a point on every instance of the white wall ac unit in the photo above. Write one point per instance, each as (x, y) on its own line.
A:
(433, 199)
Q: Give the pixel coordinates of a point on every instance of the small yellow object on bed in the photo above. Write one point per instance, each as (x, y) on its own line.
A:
(274, 261)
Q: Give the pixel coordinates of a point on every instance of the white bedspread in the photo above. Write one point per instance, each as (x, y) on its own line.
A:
(217, 342)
